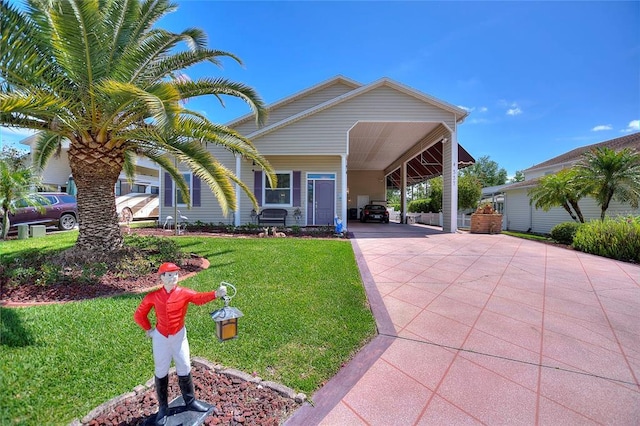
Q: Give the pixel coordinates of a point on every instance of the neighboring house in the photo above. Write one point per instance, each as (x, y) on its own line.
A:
(56, 176)
(522, 216)
(337, 146)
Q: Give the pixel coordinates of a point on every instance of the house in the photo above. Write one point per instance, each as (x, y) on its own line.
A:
(522, 216)
(336, 147)
(129, 196)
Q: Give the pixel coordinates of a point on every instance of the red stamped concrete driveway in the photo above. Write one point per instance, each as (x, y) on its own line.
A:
(487, 329)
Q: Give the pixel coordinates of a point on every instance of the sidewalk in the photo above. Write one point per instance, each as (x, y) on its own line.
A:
(487, 329)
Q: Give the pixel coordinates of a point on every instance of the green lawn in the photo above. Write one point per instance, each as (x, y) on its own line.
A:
(305, 315)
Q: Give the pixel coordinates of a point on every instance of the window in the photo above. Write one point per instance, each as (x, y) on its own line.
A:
(179, 199)
(281, 194)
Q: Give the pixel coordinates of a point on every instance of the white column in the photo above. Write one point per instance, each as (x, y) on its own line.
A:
(450, 183)
(403, 192)
(454, 180)
(343, 191)
(236, 215)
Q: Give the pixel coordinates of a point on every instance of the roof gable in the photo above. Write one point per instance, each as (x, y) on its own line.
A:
(459, 113)
(314, 95)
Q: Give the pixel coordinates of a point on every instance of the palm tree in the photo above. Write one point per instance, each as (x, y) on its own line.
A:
(558, 190)
(97, 73)
(16, 182)
(607, 175)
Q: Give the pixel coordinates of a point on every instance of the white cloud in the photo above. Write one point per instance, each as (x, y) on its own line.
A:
(633, 125)
(471, 109)
(602, 127)
(478, 121)
(514, 110)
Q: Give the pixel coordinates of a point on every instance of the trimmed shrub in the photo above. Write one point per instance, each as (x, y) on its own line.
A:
(419, 206)
(614, 238)
(564, 232)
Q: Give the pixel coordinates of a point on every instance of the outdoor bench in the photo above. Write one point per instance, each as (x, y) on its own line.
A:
(273, 216)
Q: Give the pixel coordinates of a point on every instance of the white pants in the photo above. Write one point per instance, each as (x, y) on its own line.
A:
(174, 347)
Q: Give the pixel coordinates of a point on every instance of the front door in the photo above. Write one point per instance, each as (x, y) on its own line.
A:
(321, 195)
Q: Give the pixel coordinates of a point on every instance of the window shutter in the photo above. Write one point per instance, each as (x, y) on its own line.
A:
(195, 191)
(168, 190)
(257, 186)
(296, 188)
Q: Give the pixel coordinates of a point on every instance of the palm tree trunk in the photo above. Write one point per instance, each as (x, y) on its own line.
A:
(95, 170)
(568, 209)
(576, 207)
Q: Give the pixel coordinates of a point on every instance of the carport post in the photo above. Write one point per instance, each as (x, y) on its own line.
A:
(403, 192)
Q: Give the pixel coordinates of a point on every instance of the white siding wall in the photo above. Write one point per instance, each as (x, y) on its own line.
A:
(517, 210)
(297, 106)
(57, 171)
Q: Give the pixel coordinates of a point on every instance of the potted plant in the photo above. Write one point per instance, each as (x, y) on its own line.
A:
(485, 220)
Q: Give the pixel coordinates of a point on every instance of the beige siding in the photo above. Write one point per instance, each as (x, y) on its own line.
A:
(210, 212)
(361, 182)
(297, 106)
(304, 164)
(517, 210)
(326, 131)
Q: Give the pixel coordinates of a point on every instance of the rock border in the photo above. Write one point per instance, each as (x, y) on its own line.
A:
(110, 405)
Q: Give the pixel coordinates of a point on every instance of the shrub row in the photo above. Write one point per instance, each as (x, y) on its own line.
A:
(613, 238)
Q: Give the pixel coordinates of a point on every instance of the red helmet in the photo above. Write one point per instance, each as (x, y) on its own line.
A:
(168, 267)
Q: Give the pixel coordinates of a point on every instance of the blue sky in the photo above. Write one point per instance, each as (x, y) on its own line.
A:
(539, 78)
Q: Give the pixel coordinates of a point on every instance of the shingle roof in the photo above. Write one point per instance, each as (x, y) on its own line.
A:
(629, 141)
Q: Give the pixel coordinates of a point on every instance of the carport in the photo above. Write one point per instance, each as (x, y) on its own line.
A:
(411, 152)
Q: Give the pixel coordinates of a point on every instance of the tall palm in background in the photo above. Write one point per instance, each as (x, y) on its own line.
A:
(607, 175)
(558, 190)
(16, 182)
(98, 73)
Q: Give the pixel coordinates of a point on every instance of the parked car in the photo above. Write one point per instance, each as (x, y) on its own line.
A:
(374, 212)
(45, 208)
(136, 206)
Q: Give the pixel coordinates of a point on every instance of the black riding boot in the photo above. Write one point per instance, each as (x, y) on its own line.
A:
(188, 394)
(162, 389)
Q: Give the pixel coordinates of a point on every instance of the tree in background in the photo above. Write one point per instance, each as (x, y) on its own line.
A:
(558, 190)
(99, 74)
(16, 182)
(469, 192)
(609, 175)
(486, 171)
(518, 177)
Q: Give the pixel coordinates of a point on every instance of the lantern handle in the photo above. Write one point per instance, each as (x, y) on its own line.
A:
(227, 298)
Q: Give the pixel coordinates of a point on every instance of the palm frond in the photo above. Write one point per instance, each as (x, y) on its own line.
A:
(47, 145)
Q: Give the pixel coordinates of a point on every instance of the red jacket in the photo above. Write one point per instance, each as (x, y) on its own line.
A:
(171, 308)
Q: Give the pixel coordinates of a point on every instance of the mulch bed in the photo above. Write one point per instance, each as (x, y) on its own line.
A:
(236, 402)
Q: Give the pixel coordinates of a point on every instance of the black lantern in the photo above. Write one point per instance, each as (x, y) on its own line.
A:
(226, 318)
